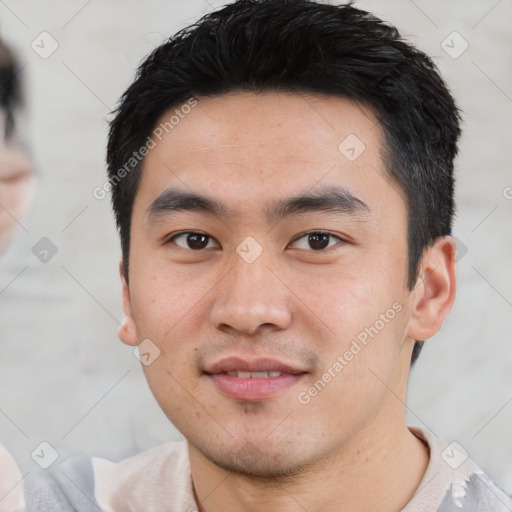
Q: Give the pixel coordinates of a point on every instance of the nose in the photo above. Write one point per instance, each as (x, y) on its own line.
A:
(251, 298)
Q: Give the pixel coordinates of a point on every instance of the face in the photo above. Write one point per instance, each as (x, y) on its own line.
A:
(16, 186)
(267, 280)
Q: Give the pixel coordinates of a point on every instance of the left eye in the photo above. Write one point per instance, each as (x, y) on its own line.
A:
(316, 241)
(194, 241)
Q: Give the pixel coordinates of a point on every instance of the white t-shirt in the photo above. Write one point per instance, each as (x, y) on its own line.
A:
(159, 480)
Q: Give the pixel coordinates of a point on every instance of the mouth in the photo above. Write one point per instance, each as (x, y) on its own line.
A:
(252, 375)
(253, 380)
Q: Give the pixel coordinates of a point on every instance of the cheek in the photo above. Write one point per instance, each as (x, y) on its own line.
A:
(169, 309)
(173, 379)
(161, 295)
(366, 315)
(346, 299)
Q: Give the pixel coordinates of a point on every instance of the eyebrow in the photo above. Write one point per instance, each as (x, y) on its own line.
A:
(174, 200)
(334, 199)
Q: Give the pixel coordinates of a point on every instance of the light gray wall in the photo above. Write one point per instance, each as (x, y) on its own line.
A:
(64, 376)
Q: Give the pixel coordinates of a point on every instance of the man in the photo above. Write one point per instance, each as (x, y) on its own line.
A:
(15, 193)
(282, 179)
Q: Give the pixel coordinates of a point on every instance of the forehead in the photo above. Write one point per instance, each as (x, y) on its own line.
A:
(246, 148)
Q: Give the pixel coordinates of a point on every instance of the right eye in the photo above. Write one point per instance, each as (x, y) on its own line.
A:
(193, 241)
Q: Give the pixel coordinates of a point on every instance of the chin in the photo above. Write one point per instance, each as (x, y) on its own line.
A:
(260, 460)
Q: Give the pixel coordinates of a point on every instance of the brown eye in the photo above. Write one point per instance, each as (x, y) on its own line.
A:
(316, 241)
(197, 241)
(194, 241)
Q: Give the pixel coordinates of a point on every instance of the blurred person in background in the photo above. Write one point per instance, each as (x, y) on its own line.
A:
(16, 189)
(16, 171)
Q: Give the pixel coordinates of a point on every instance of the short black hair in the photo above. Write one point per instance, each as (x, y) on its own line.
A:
(10, 87)
(301, 46)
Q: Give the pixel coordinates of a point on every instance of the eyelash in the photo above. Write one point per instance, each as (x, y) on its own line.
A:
(331, 235)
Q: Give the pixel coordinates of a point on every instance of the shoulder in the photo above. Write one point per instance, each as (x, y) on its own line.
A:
(476, 493)
(69, 486)
(159, 477)
(453, 482)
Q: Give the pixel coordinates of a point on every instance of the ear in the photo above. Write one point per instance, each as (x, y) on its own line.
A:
(128, 331)
(434, 292)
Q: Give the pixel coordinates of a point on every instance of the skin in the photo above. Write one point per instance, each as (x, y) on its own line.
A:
(16, 186)
(349, 448)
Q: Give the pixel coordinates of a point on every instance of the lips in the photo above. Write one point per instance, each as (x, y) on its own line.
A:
(253, 380)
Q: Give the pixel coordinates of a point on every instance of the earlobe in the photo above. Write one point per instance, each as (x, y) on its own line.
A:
(128, 330)
(434, 293)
